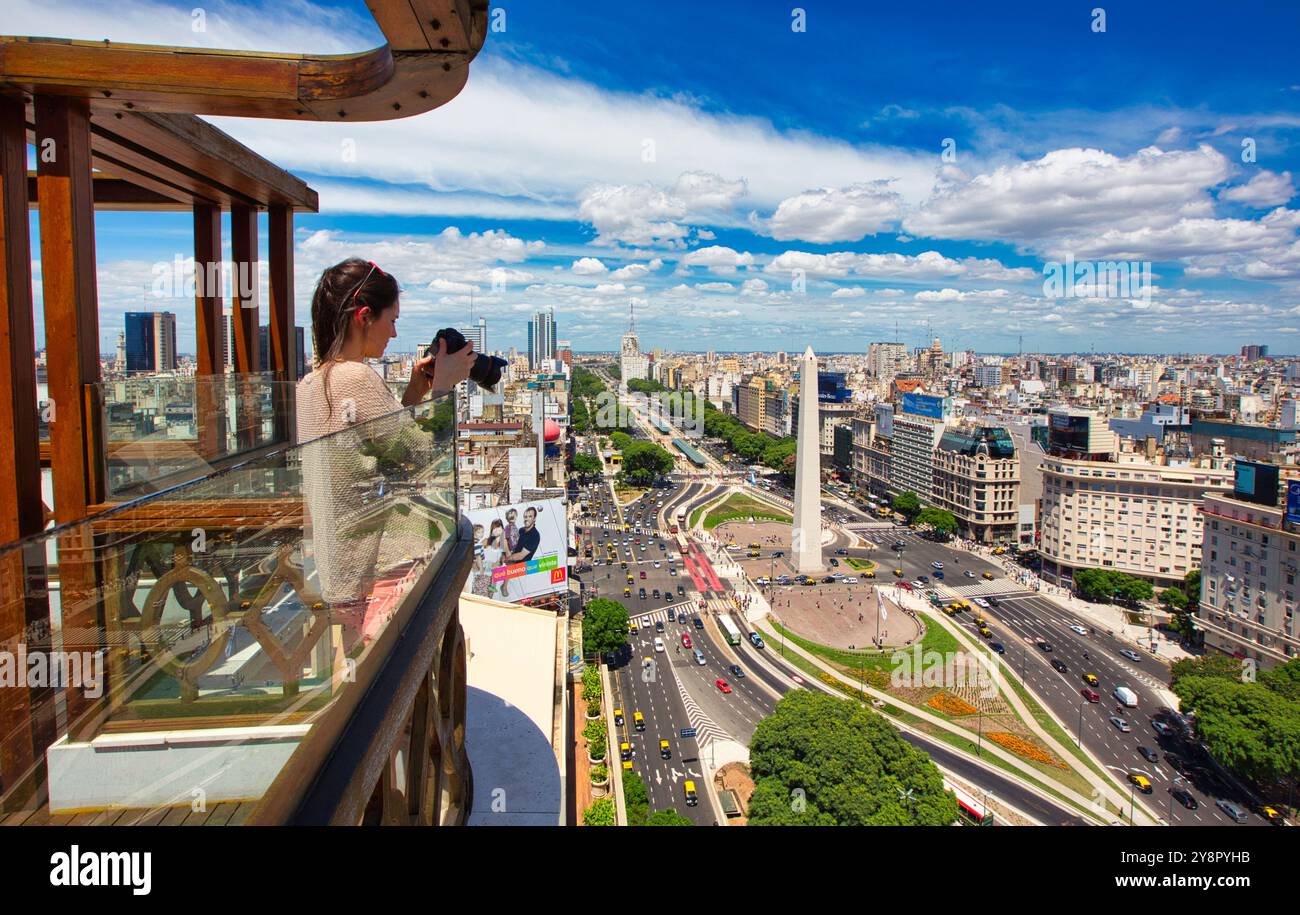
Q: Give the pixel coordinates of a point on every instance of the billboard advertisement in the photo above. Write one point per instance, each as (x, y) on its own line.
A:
(1293, 501)
(924, 405)
(833, 387)
(520, 550)
(1256, 483)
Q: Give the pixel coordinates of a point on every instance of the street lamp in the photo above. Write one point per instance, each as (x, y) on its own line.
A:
(1078, 740)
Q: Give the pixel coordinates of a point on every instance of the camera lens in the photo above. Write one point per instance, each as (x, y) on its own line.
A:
(487, 371)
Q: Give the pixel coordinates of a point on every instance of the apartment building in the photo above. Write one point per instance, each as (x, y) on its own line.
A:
(1127, 514)
(976, 474)
(1249, 575)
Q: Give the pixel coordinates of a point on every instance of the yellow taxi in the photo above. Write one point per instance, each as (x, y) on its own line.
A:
(1271, 814)
(627, 592)
(986, 632)
(755, 545)
(638, 721)
(998, 551)
(1090, 679)
(1141, 782)
(752, 554)
(692, 798)
(665, 751)
(987, 576)
(867, 574)
(625, 751)
(632, 628)
(630, 579)
(898, 573)
(618, 717)
(978, 621)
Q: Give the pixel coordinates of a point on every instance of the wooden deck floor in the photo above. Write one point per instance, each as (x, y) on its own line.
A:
(227, 814)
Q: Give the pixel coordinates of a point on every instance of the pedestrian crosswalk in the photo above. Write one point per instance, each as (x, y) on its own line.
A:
(998, 587)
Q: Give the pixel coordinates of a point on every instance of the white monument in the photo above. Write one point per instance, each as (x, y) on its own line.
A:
(806, 542)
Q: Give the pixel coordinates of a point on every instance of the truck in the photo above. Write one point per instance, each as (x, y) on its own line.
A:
(1126, 696)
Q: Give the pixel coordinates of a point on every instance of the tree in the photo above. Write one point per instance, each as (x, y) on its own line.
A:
(1174, 597)
(1104, 585)
(604, 626)
(587, 465)
(1248, 727)
(645, 462)
(667, 818)
(821, 760)
(939, 519)
(600, 813)
(636, 799)
(907, 503)
(1192, 587)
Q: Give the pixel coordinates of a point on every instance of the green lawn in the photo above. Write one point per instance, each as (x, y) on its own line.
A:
(741, 507)
(863, 565)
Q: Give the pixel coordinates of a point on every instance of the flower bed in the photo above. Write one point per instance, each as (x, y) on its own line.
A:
(1024, 748)
(950, 705)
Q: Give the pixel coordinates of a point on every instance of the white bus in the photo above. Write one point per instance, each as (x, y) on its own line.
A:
(729, 629)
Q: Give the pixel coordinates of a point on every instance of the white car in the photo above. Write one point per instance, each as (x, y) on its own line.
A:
(656, 563)
(764, 580)
(981, 602)
(1079, 629)
(645, 620)
(659, 644)
(850, 580)
(918, 585)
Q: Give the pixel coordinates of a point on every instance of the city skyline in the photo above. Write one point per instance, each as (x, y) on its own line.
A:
(730, 202)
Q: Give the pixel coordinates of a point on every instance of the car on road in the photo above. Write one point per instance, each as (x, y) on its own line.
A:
(1149, 754)
(1131, 655)
(655, 593)
(1090, 694)
(993, 601)
(834, 562)
(1162, 729)
(627, 592)
(641, 593)
(980, 602)
(632, 627)
(906, 585)
(618, 717)
(659, 644)
(681, 591)
(986, 632)
(1079, 629)
(736, 671)
(938, 574)
(659, 625)
(987, 576)
(1060, 665)
(850, 579)
(1184, 797)
(778, 554)
(968, 573)
(625, 751)
(722, 685)
(762, 581)
(665, 751)
(699, 623)
(1233, 812)
(656, 563)
(643, 574)
(841, 552)
(999, 647)
(686, 640)
(1120, 723)
(756, 640)
(936, 564)
(1090, 679)
(923, 579)
(638, 721)
(917, 584)
(672, 615)
(1140, 781)
(692, 798)
(699, 658)
(1045, 646)
(828, 580)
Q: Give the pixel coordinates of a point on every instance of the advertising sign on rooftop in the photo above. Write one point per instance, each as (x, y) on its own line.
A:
(520, 550)
(925, 405)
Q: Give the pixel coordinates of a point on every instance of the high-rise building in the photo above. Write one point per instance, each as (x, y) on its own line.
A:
(477, 334)
(541, 338)
(632, 362)
(300, 363)
(150, 341)
(1253, 352)
(977, 478)
(885, 360)
(988, 375)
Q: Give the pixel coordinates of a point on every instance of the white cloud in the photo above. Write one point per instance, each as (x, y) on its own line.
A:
(835, 214)
(1075, 193)
(718, 258)
(930, 265)
(1267, 189)
(715, 287)
(849, 292)
(636, 271)
(753, 286)
(954, 295)
(588, 266)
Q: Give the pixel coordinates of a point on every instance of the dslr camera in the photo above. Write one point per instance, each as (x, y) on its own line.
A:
(487, 369)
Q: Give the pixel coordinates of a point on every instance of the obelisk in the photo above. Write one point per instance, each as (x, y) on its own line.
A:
(806, 540)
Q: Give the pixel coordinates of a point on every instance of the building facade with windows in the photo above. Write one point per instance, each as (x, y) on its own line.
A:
(1250, 578)
(977, 478)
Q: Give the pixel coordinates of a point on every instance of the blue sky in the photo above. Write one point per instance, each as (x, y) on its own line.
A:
(750, 186)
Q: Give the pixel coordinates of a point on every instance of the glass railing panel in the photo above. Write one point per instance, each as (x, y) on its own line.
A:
(176, 650)
(164, 429)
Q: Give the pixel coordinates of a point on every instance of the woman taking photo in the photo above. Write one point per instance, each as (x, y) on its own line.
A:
(346, 417)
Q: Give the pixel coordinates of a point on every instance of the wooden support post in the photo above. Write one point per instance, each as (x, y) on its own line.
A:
(22, 590)
(77, 450)
(243, 306)
(283, 348)
(209, 395)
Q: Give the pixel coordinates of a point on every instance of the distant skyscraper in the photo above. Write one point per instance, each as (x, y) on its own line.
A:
(119, 364)
(477, 334)
(1254, 352)
(300, 364)
(632, 362)
(541, 338)
(807, 540)
(150, 339)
